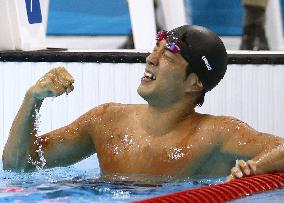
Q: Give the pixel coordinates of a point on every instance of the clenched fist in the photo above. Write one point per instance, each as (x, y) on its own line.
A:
(54, 83)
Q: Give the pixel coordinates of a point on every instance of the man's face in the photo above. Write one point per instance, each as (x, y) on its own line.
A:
(164, 76)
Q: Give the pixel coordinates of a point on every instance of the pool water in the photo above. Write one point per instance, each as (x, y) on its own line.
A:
(82, 183)
(276, 196)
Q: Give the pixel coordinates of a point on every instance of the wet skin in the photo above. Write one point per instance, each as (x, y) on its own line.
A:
(164, 137)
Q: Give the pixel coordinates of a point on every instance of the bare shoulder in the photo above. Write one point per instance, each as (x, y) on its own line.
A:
(222, 127)
(111, 111)
(230, 125)
(221, 123)
(101, 115)
(115, 108)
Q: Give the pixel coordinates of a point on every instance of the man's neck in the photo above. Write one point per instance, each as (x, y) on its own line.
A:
(159, 120)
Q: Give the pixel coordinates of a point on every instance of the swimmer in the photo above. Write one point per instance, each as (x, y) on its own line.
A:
(164, 137)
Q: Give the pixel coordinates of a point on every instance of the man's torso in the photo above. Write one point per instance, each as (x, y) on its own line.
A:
(188, 150)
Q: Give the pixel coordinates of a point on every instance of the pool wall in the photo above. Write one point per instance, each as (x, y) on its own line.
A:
(252, 92)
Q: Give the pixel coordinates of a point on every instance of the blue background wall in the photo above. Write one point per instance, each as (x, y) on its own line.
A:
(88, 17)
(111, 17)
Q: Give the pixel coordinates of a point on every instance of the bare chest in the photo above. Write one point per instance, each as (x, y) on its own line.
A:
(132, 150)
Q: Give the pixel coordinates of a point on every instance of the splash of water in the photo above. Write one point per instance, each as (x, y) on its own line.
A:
(41, 162)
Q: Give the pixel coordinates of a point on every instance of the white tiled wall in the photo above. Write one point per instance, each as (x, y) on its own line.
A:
(252, 93)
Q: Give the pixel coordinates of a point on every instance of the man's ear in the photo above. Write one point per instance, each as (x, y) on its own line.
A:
(193, 84)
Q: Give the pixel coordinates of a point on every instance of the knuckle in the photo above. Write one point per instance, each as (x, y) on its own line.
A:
(250, 162)
(71, 79)
(242, 164)
(234, 170)
(59, 68)
(72, 87)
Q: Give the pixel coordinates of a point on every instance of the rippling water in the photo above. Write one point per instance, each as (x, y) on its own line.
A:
(82, 183)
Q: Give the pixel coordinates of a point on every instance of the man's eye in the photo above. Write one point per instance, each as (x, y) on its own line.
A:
(168, 56)
(168, 50)
(169, 53)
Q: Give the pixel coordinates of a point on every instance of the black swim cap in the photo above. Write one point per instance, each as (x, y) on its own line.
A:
(205, 53)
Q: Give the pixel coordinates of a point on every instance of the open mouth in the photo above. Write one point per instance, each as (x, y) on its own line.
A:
(148, 76)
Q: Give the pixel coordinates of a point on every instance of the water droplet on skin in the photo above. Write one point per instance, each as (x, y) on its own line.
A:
(242, 143)
(176, 153)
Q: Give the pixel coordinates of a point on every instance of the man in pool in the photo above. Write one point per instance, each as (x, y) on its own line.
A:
(165, 137)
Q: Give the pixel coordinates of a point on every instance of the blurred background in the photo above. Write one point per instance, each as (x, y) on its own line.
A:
(105, 24)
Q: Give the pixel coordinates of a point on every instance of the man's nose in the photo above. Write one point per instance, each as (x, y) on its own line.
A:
(153, 59)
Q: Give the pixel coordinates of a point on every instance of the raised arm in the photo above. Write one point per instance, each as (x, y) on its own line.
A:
(23, 148)
(65, 145)
(265, 151)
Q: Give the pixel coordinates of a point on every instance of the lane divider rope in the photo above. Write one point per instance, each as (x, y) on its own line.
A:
(224, 192)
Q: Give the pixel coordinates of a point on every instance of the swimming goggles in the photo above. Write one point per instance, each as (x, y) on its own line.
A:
(173, 42)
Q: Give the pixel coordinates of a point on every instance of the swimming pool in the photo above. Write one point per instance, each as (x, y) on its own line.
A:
(105, 77)
(82, 183)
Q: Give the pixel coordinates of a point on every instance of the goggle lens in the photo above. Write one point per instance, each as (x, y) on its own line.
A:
(173, 43)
